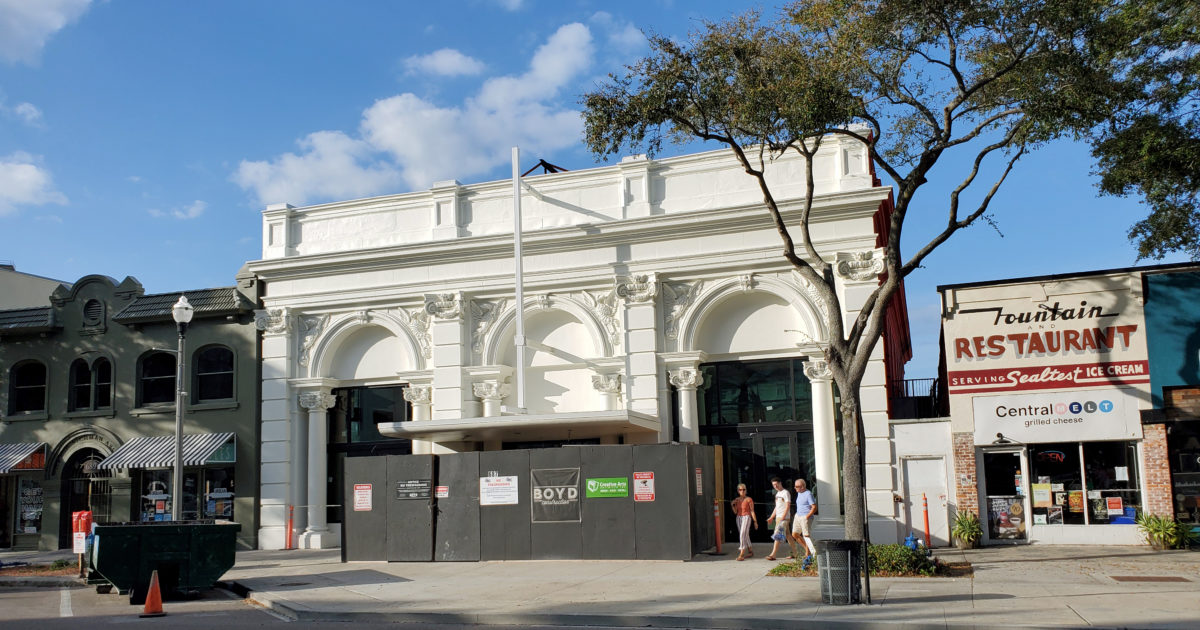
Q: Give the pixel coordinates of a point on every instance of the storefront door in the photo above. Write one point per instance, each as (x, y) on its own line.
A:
(1005, 492)
(753, 457)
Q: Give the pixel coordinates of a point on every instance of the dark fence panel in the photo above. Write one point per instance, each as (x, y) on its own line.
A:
(661, 525)
(608, 532)
(409, 520)
(457, 522)
(504, 529)
(355, 546)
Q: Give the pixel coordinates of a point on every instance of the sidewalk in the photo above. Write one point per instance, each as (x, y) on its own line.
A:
(1013, 587)
(1027, 586)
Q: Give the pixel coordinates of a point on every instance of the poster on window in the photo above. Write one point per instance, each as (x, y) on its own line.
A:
(555, 495)
(1006, 517)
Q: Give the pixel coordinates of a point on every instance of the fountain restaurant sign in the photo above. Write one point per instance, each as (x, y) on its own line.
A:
(1015, 345)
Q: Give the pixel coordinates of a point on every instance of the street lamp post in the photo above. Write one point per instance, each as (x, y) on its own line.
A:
(181, 312)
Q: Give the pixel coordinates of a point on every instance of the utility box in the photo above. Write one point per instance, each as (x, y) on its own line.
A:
(839, 567)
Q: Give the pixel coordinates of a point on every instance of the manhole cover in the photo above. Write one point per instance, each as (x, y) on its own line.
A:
(1149, 578)
(295, 583)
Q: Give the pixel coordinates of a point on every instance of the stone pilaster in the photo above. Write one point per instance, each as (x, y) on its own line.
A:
(281, 483)
(317, 535)
(640, 293)
(687, 381)
(825, 457)
(450, 340)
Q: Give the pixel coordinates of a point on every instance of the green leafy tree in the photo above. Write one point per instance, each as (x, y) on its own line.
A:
(919, 83)
(1150, 146)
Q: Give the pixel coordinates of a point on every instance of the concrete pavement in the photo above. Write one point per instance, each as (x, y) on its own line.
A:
(1023, 586)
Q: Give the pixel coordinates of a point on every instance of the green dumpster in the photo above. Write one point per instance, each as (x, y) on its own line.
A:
(188, 555)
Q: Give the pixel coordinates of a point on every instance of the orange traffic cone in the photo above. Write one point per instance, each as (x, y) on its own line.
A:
(153, 599)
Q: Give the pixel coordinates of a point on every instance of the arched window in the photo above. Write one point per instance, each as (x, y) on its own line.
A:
(156, 379)
(27, 387)
(214, 374)
(90, 386)
(80, 396)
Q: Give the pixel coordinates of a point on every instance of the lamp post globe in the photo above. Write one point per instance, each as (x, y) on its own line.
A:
(181, 312)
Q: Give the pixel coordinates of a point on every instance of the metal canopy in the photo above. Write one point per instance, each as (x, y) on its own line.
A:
(12, 455)
(153, 452)
(519, 428)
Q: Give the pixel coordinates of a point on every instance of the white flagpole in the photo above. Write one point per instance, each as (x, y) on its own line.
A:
(520, 279)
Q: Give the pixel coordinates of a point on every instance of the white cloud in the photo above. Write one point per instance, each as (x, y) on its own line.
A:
(26, 25)
(24, 182)
(192, 211)
(330, 166)
(28, 113)
(446, 62)
(422, 142)
(622, 37)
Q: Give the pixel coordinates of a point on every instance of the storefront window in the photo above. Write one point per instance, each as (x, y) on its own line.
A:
(1183, 444)
(30, 507)
(218, 494)
(1093, 483)
(1057, 487)
(1112, 482)
(353, 420)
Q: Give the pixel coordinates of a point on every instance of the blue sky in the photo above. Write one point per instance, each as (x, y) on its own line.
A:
(143, 138)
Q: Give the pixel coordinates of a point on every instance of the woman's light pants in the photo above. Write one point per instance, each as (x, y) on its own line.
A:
(743, 523)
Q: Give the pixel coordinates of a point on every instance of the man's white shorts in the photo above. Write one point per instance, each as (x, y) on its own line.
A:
(800, 527)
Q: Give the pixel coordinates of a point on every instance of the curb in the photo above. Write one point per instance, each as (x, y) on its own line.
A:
(40, 581)
(304, 614)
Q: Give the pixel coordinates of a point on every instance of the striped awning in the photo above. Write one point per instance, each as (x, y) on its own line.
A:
(157, 451)
(27, 456)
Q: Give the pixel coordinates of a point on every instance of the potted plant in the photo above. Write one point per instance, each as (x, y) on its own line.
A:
(1164, 532)
(967, 530)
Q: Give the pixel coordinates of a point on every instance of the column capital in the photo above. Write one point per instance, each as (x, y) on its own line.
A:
(275, 321)
(419, 394)
(686, 378)
(317, 401)
(638, 288)
(490, 390)
(444, 306)
(607, 383)
(817, 370)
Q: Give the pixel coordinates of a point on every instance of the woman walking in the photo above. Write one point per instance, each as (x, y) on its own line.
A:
(743, 510)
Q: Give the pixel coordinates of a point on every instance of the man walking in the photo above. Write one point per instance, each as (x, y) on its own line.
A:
(805, 508)
(783, 505)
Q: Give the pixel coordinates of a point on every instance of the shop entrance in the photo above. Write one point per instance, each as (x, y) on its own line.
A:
(84, 487)
(1004, 495)
(753, 455)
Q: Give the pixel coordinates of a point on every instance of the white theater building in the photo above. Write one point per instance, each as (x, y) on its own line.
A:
(657, 308)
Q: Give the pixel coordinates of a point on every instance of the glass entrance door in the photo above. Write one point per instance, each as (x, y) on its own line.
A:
(753, 457)
(1005, 491)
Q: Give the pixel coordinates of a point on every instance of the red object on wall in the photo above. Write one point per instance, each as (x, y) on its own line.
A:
(81, 522)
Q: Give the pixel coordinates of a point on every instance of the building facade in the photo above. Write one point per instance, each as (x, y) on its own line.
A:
(656, 304)
(87, 409)
(1050, 382)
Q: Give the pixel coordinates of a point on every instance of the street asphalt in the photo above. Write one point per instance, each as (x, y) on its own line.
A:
(1012, 587)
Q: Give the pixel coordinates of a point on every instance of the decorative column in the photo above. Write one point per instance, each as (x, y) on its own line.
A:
(278, 486)
(827, 483)
(317, 535)
(449, 343)
(640, 292)
(610, 386)
(492, 394)
(421, 398)
(687, 380)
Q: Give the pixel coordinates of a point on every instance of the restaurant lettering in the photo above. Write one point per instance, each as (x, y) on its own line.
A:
(1024, 344)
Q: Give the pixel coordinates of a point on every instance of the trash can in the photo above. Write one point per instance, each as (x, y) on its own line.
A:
(839, 567)
(188, 555)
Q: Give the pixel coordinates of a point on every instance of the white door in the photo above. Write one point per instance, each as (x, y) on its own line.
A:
(927, 476)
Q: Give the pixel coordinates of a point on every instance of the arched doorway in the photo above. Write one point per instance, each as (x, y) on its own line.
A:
(84, 487)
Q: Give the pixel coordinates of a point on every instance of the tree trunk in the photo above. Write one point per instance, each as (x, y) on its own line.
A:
(852, 457)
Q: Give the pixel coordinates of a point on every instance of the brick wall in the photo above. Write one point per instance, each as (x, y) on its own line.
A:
(1158, 470)
(1185, 401)
(966, 485)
